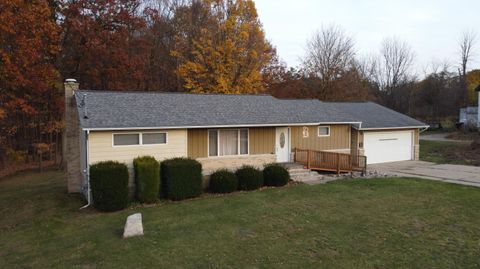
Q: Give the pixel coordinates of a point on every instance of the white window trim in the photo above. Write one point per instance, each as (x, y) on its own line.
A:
(140, 139)
(218, 143)
(320, 135)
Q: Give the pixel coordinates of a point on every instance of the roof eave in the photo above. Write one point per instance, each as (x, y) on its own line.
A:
(214, 126)
(393, 128)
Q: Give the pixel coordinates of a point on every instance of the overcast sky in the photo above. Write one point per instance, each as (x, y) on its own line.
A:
(431, 27)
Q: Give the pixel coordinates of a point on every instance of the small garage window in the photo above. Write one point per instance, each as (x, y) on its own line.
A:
(126, 139)
(324, 131)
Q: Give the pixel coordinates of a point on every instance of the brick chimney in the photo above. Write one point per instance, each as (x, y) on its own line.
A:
(71, 138)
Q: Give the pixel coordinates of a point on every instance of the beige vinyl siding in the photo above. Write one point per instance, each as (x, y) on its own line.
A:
(197, 143)
(101, 147)
(262, 140)
(339, 138)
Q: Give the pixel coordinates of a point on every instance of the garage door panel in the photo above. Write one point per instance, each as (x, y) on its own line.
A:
(388, 146)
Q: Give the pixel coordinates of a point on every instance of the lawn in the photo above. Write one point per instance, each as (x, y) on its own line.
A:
(376, 223)
(448, 152)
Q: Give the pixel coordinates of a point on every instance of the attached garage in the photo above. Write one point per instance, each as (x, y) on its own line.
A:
(388, 146)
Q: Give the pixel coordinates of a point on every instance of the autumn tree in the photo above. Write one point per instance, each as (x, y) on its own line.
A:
(227, 50)
(103, 44)
(29, 102)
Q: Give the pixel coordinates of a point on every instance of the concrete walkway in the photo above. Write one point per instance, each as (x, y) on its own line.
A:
(458, 174)
(441, 137)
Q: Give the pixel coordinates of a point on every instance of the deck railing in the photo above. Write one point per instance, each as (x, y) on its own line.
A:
(330, 161)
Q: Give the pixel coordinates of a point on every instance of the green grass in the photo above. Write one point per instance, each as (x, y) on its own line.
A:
(445, 152)
(377, 223)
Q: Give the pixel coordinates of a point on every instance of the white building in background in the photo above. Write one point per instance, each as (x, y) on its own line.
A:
(470, 115)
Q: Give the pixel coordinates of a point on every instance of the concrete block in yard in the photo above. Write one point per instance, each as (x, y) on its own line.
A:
(133, 226)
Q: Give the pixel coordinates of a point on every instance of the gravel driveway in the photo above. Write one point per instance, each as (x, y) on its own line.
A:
(441, 137)
(459, 174)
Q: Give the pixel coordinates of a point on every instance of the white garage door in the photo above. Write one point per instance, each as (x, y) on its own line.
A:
(382, 147)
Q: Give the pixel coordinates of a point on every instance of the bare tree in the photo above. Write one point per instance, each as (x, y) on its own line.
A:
(329, 54)
(368, 67)
(395, 63)
(467, 43)
(466, 47)
(436, 67)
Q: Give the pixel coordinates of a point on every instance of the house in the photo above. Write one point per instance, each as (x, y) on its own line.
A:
(225, 131)
(469, 116)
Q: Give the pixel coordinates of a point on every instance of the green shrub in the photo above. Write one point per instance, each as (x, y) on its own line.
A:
(275, 175)
(147, 179)
(249, 178)
(223, 181)
(181, 178)
(109, 184)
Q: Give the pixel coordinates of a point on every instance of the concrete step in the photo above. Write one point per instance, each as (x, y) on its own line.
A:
(295, 170)
(304, 173)
(307, 178)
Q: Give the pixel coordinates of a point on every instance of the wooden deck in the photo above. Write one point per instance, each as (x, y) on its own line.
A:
(330, 161)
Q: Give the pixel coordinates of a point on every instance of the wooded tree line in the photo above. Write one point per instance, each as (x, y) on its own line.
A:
(189, 46)
(332, 70)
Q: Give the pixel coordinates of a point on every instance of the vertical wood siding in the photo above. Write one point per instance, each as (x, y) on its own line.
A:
(339, 138)
(262, 140)
(197, 143)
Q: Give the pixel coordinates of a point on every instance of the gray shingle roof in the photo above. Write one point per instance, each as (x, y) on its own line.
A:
(373, 115)
(111, 110)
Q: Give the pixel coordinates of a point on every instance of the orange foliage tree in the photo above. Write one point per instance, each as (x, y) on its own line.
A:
(228, 51)
(29, 44)
(103, 44)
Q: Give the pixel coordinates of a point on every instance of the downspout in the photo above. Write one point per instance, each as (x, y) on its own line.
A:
(87, 172)
(424, 129)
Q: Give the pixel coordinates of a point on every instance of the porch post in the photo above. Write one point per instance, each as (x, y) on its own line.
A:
(338, 163)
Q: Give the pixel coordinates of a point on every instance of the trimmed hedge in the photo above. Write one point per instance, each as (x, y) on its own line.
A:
(249, 178)
(181, 178)
(147, 179)
(275, 175)
(223, 181)
(109, 184)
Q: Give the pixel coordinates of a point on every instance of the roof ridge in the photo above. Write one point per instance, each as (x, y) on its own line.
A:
(183, 93)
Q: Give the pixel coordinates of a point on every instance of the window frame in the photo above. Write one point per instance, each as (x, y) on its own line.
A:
(318, 131)
(218, 143)
(155, 144)
(140, 139)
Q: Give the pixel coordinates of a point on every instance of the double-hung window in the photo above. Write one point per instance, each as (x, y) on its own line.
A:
(227, 142)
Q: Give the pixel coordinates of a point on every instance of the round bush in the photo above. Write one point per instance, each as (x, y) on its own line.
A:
(249, 178)
(181, 178)
(223, 181)
(275, 175)
(147, 179)
(109, 184)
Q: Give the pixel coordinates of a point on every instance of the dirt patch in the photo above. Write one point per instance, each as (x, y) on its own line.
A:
(475, 145)
(465, 136)
(474, 152)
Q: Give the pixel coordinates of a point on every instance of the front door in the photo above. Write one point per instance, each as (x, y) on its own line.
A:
(282, 145)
